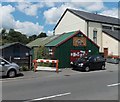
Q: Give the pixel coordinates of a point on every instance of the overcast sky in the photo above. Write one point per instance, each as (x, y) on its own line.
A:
(35, 17)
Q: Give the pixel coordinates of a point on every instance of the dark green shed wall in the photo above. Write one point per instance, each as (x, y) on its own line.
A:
(62, 52)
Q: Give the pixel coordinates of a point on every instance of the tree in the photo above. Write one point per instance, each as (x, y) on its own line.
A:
(32, 37)
(3, 36)
(3, 33)
(42, 35)
(15, 36)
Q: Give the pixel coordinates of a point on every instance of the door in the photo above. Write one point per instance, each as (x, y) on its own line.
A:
(105, 52)
(98, 62)
(4, 67)
(95, 62)
(92, 63)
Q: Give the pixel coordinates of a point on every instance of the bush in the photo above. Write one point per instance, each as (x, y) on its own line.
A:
(45, 64)
(24, 68)
(109, 56)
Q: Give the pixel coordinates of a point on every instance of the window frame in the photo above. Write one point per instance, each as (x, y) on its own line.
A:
(95, 35)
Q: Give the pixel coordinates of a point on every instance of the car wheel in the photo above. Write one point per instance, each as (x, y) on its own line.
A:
(11, 73)
(87, 69)
(103, 67)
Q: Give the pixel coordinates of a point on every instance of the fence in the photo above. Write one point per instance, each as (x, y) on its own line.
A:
(21, 61)
(45, 61)
(113, 60)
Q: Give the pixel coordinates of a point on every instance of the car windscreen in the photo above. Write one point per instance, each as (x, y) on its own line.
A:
(83, 58)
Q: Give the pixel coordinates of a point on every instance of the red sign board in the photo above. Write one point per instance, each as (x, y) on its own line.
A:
(75, 54)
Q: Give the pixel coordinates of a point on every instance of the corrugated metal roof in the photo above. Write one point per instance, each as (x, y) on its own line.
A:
(10, 44)
(42, 41)
(60, 39)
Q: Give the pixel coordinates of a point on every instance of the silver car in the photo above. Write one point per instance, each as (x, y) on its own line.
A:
(8, 69)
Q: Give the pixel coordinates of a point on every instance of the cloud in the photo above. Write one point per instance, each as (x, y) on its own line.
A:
(29, 8)
(110, 12)
(12, 1)
(53, 14)
(95, 6)
(7, 21)
(28, 28)
(49, 4)
(49, 33)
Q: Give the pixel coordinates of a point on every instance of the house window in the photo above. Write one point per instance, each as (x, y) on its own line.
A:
(95, 36)
(106, 27)
(116, 29)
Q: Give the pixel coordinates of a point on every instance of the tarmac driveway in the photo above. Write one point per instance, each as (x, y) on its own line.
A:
(63, 72)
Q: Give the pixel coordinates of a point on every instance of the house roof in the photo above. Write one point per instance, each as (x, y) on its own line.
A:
(65, 37)
(41, 41)
(92, 17)
(113, 34)
(11, 44)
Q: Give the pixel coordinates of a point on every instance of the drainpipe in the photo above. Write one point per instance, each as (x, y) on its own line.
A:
(112, 28)
(87, 29)
(54, 32)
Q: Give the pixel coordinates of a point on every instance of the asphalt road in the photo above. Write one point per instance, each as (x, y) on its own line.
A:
(66, 85)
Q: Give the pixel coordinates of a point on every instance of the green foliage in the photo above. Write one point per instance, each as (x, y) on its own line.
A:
(15, 36)
(42, 53)
(42, 35)
(24, 68)
(3, 32)
(32, 37)
(44, 64)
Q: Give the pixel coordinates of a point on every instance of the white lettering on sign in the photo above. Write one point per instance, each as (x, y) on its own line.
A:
(77, 54)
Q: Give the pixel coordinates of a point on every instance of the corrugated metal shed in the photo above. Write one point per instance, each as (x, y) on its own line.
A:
(11, 44)
(38, 45)
(64, 37)
(64, 49)
(41, 41)
(60, 39)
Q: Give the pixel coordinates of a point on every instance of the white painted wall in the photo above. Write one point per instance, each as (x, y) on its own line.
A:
(111, 43)
(71, 22)
(98, 27)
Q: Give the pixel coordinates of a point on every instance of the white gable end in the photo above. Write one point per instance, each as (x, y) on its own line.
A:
(71, 22)
(112, 44)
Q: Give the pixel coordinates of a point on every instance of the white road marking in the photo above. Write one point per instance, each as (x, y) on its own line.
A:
(116, 84)
(43, 98)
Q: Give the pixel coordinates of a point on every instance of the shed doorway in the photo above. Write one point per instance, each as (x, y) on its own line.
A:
(105, 52)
